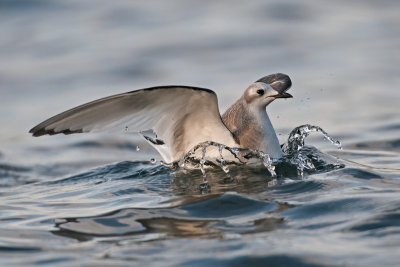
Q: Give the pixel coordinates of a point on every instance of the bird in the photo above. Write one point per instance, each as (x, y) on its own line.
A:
(180, 117)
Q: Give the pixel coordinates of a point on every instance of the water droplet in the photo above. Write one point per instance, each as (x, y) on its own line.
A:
(266, 159)
(126, 128)
(203, 159)
(204, 188)
(273, 182)
(137, 148)
(225, 169)
(181, 163)
(153, 161)
(222, 160)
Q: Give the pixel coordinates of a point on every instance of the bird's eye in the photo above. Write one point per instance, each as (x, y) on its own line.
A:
(260, 91)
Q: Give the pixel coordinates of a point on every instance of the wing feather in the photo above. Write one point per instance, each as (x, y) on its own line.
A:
(181, 116)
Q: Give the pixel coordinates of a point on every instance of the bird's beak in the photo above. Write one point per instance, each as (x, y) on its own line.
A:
(283, 95)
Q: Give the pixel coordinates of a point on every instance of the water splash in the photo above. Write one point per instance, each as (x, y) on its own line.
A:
(295, 144)
(222, 162)
(298, 135)
(266, 159)
(240, 155)
(203, 159)
(137, 148)
(298, 157)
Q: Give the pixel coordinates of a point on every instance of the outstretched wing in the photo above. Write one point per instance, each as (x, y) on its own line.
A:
(181, 116)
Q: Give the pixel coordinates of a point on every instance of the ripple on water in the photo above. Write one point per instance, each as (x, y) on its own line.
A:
(299, 187)
(386, 223)
(331, 208)
(270, 260)
(227, 205)
(24, 249)
(210, 218)
(359, 173)
(13, 175)
(120, 170)
(136, 223)
(113, 224)
(385, 145)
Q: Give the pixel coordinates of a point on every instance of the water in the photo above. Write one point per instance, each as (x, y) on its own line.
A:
(94, 200)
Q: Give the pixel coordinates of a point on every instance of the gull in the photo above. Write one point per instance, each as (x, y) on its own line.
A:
(180, 117)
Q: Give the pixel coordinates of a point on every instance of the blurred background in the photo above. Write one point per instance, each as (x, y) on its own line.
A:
(342, 56)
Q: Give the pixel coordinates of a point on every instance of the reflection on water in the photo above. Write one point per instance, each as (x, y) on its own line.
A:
(98, 200)
(205, 219)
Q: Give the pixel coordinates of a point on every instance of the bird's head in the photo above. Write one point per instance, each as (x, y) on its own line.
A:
(267, 89)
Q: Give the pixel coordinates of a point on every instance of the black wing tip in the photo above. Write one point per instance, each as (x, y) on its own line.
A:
(42, 131)
(36, 131)
(154, 141)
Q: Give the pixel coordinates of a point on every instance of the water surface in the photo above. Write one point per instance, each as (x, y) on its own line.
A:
(96, 200)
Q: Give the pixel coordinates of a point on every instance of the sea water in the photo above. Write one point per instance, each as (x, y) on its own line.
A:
(94, 200)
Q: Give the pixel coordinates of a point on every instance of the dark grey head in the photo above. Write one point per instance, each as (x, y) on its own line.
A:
(279, 81)
(267, 89)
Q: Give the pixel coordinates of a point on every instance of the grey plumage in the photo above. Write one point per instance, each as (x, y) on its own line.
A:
(181, 117)
(243, 125)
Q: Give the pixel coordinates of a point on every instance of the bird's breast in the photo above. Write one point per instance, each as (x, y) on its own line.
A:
(257, 132)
